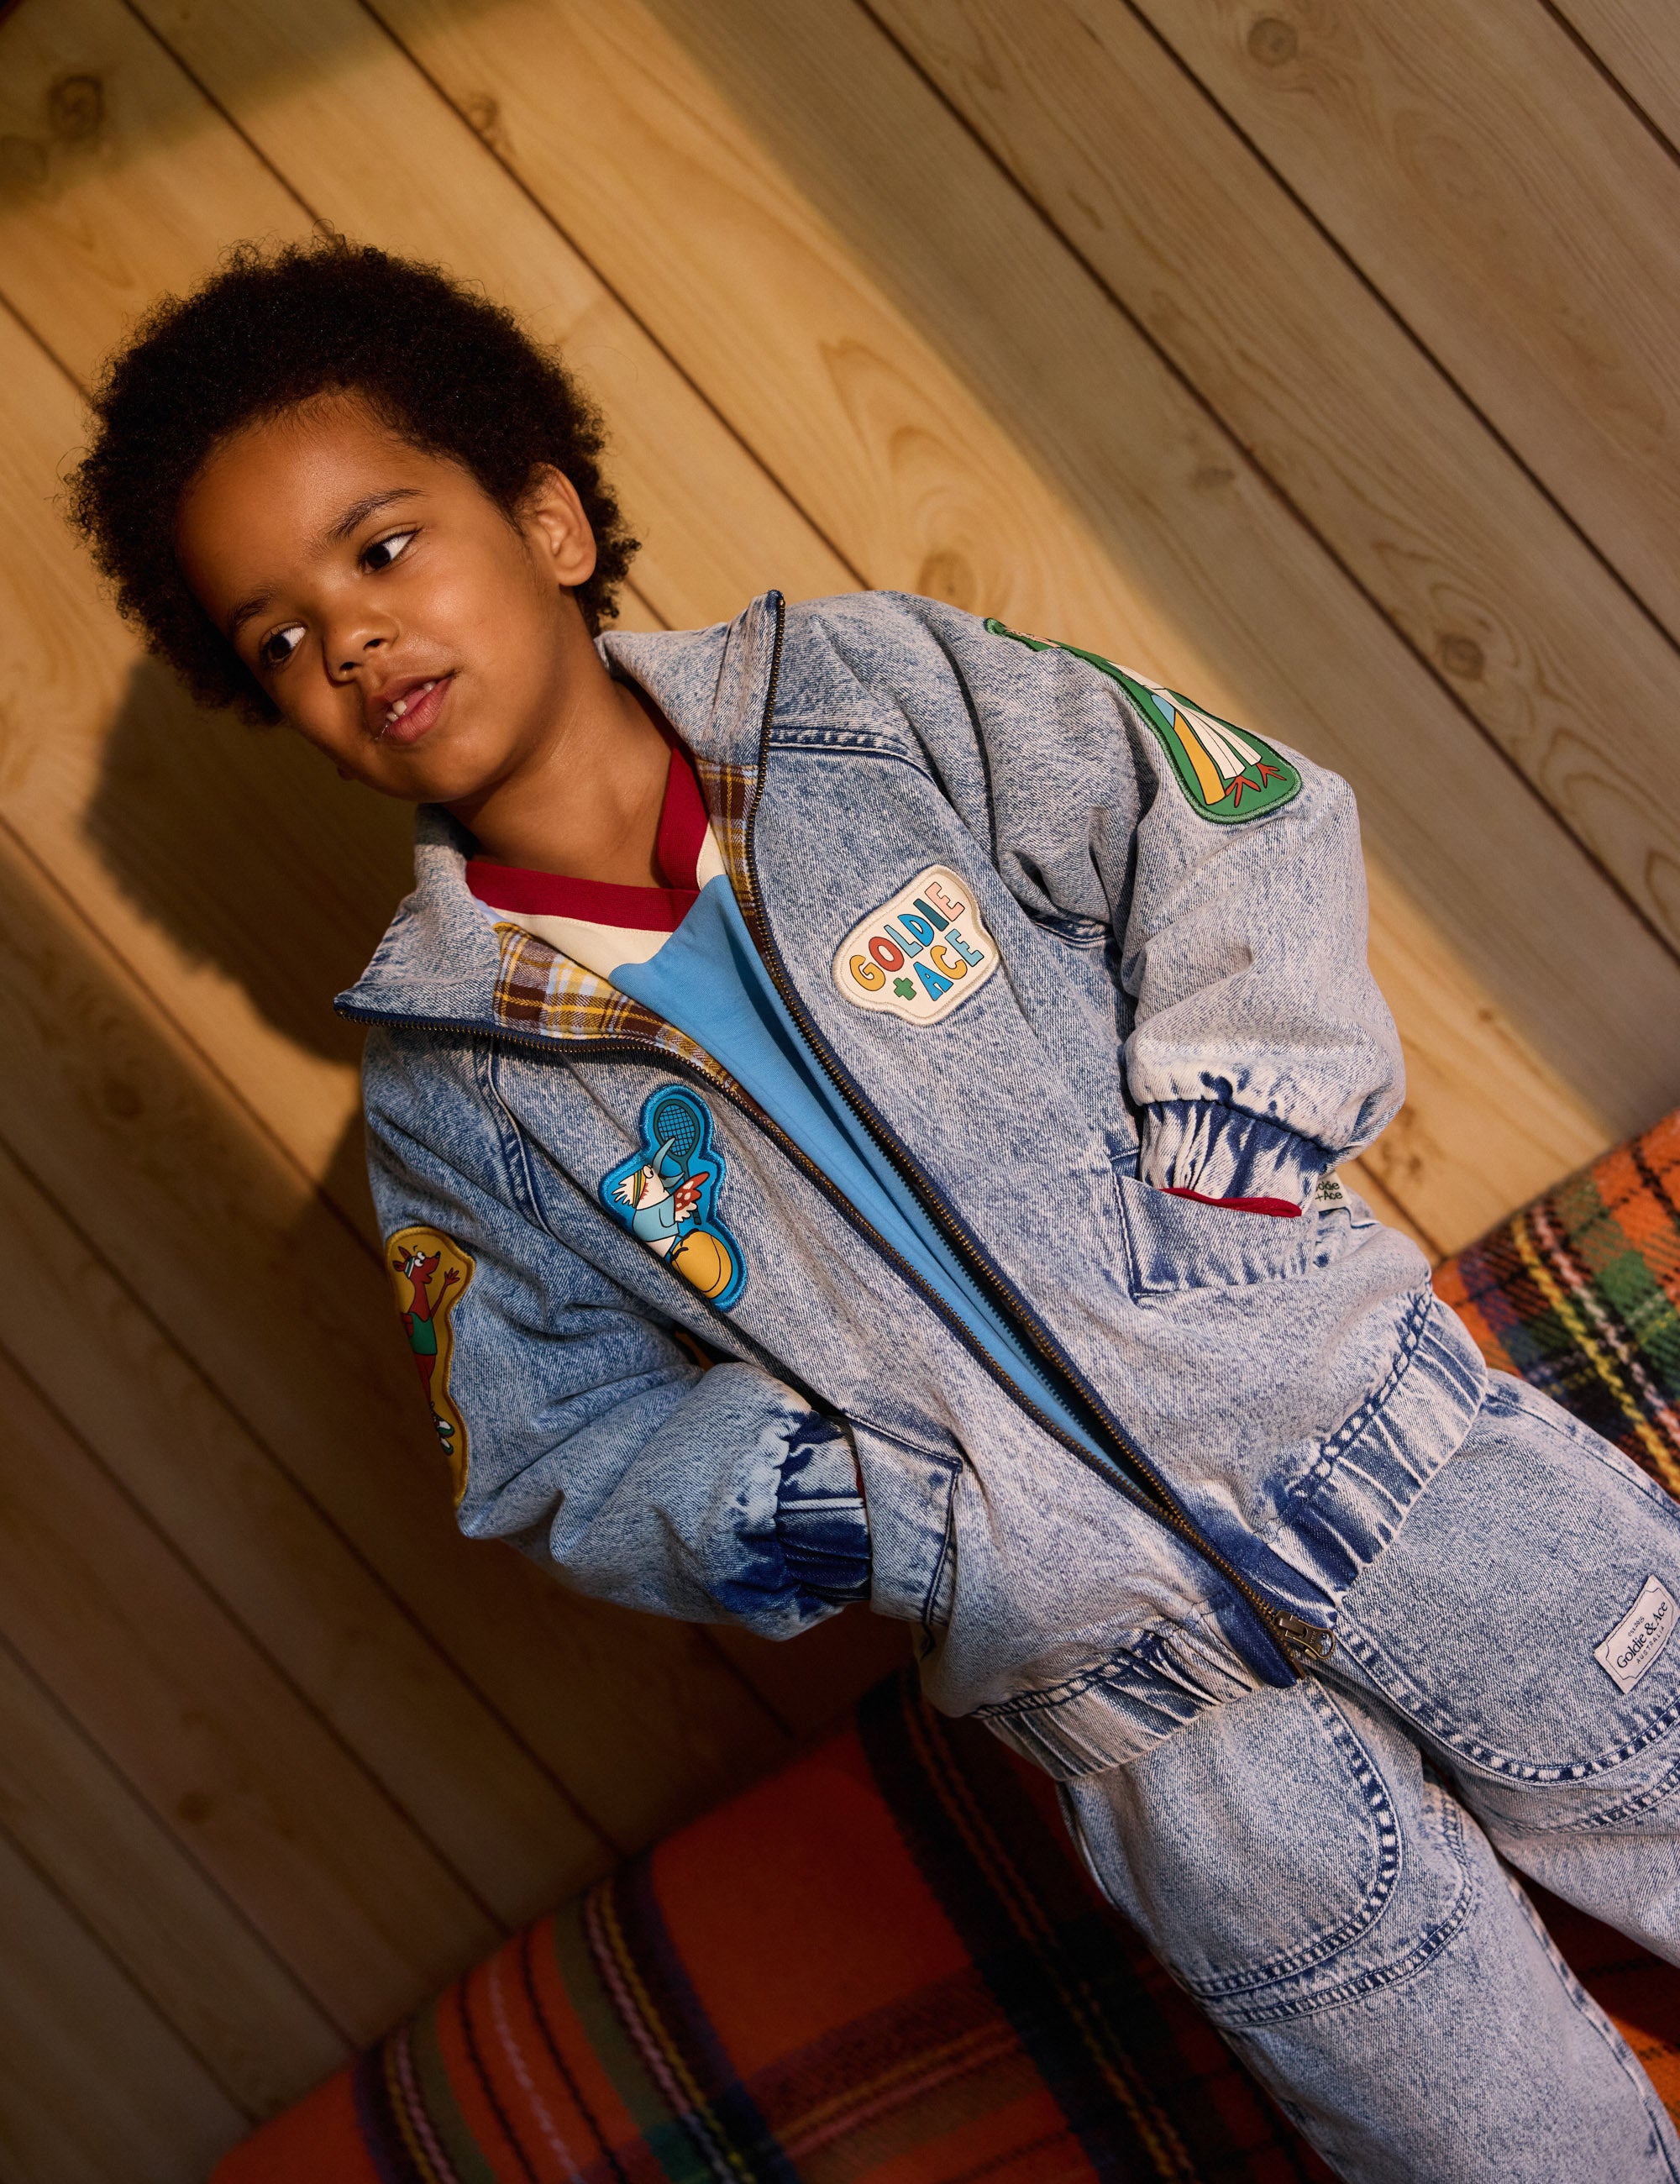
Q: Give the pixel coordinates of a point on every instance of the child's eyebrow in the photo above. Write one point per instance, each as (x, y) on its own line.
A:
(360, 510)
(339, 529)
(242, 613)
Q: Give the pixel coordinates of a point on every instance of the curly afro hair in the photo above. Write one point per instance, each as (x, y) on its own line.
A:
(274, 327)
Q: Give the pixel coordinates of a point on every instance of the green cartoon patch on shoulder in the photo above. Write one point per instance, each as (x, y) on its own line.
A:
(1228, 774)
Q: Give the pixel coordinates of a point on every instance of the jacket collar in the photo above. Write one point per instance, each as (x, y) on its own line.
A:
(442, 961)
(710, 684)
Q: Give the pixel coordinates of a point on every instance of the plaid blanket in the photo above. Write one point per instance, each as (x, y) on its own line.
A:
(1580, 1293)
(885, 1966)
(883, 1962)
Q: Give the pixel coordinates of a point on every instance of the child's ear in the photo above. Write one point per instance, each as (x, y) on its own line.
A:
(551, 517)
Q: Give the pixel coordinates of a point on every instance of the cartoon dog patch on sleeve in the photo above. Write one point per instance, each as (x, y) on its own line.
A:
(430, 1274)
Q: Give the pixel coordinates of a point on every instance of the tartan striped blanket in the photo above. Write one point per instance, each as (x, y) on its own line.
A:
(884, 1965)
(1580, 1293)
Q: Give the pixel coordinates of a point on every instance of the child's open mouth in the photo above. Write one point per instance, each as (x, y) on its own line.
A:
(408, 716)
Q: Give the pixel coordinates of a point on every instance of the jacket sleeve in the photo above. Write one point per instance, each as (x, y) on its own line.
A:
(580, 1429)
(1258, 1050)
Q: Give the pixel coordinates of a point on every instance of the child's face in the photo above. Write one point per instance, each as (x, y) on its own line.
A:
(351, 570)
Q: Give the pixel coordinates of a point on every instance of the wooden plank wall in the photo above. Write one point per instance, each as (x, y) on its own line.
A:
(1317, 353)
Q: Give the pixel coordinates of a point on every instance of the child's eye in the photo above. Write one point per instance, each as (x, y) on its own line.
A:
(384, 551)
(278, 646)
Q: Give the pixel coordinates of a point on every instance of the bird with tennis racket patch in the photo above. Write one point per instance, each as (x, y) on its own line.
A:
(666, 1194)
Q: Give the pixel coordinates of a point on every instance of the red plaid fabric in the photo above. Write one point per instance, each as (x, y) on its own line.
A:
(885, 1965)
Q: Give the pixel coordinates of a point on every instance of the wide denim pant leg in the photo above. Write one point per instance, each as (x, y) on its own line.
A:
(1315, 1865)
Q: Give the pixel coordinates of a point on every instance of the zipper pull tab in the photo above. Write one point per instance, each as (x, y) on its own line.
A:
(1301, 1640)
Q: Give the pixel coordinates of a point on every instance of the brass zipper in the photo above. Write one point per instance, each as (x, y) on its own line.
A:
(1295, 1635)
(1297, 1639)
(648, 1052)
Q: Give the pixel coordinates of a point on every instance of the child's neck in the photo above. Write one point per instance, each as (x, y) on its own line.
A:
(585, 801)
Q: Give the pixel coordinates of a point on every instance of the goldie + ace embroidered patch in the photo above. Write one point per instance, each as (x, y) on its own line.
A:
(921, 954)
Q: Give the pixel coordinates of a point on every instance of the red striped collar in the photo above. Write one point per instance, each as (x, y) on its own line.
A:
(676, 854)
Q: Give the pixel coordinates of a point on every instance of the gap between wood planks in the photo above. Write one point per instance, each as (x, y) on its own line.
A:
(149, 1901)
(738, 1671)
(1497, 1201)
(1616, 76)
(1457, 149)
(256, 1535)
(1011, 171)
(475, 54)
(485, 142)
(149, 2106)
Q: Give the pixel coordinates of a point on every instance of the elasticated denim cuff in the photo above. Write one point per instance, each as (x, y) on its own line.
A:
(820, 1522)
(1223, 1152)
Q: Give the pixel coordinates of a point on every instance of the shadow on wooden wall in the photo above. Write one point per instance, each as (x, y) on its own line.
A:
(214, 831)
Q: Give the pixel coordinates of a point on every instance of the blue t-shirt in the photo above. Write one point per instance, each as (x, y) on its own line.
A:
(683, 950)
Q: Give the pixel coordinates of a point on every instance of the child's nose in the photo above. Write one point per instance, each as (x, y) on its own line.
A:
(353, 661)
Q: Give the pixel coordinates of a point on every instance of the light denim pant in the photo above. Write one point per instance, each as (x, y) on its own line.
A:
(1309, 1863)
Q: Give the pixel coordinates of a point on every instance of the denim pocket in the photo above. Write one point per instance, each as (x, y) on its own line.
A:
(1265, 1853)
(1176, 1243)
(1482, 1623)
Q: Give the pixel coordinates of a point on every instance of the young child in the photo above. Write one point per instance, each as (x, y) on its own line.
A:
(853, 1099)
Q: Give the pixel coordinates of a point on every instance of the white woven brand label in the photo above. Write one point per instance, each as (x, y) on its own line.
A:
(1331, 1193)
(1640, 1636)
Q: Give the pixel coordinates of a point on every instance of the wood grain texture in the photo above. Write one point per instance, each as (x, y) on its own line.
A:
(157, 1166)
(219, 839)
(139, 1890)
(776, 194)
(1537, 638)
(1498, 193)
(104, 1613)
(223, 866)
(365, 143)
(634, 612)
(1362, 1176)
(1635, 41)
(1465, 1064)
(286, 1575)
(94, 2087)
(107, 175)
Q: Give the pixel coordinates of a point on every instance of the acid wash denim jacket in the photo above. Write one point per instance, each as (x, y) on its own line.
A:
(1166, 989)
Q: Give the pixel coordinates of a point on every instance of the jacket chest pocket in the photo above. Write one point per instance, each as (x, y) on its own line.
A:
(1173, 1244)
